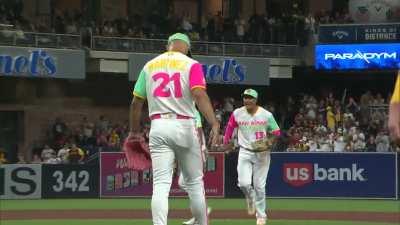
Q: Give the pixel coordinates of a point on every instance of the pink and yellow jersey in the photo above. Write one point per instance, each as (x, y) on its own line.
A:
(166, 82)
(250, 127)
(396, 92)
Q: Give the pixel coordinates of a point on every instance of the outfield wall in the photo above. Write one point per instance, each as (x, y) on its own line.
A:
(325, 175)
(291, 175)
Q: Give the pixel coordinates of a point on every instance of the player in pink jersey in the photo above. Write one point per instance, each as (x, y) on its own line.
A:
(253, 123)
(173, 83)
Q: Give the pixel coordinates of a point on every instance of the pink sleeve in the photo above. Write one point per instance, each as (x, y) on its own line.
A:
(276, 133)
(196, 77)
(232, 124)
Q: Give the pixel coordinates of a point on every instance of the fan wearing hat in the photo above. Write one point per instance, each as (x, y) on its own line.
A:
(254, 124)
(173, 85)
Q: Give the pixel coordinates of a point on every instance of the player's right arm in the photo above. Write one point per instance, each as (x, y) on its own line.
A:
(139, 96)
(198, 89)
(394, 112)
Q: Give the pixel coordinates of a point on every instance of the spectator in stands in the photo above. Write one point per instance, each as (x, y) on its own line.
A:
(59, 128)
(352, 106)
(102, 139)
(3, 159)
(312, 144)
(339, 143)
(36, 159)
(48, 154)
(186, 25)
(88, 132)
(240, 29)
(108, 29)
(114, 140)
(358, 144)
(63, 153)
(382, 142)
(75, 155)
(21, 159)
(102, 124)
(379, 100)
(370, 145)
(330, 119)
(71, 27)
(325, 145)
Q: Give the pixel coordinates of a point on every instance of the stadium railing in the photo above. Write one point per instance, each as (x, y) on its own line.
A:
(52, 40)
(47, 40)
(198, 48)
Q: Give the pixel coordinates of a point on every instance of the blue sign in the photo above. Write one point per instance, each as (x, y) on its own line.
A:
(37, 62)
(359, 33)
(217, 69)
(357, 56)
(333, 175)
(336, 34)
(229, 72)
(378, 33)
(46, 63)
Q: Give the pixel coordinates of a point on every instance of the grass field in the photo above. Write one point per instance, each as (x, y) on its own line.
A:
(228, 204)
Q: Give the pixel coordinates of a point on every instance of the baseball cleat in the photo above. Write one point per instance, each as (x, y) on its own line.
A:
(261, 221)
(192, 221)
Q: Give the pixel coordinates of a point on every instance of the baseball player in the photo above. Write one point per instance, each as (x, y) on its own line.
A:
(254, 123)
(181, 180)
(394, 112)
(173, 84)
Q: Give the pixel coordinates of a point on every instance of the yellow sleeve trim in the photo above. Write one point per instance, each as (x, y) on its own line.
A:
(137, 95)
(198, 86)
(396, 91)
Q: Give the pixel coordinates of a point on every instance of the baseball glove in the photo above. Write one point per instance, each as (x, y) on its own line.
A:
(137, 153)
(264, 144)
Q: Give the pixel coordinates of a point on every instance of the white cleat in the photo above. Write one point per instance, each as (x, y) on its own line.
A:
(251, 208)
(261, 221)
(192, 221)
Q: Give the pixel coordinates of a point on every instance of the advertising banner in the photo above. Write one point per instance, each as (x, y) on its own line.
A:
(70, 181)
(358, 33)
(357, 56)
(217, 69)
(20, 181)
(40, 62)
(116, 180)
(331, 175)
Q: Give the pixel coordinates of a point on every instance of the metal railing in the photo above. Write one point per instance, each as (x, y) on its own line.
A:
(46, 40)
(51, 40)
(198, 48)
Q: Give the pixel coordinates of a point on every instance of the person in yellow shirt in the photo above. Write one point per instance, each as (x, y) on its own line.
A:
(394, 112)
(330, 118)
(3, 159)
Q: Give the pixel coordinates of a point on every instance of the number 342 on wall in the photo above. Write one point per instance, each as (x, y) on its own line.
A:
(75, 180)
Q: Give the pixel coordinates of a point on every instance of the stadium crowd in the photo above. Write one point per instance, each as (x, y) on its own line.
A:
(309, 124)
(292, 26)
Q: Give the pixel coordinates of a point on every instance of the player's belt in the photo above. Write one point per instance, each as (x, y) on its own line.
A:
(250, 150)
(169, 116)
(247, 149)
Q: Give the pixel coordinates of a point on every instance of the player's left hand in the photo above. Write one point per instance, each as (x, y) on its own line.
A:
(214, 136)
(263, 145)
(137, 152)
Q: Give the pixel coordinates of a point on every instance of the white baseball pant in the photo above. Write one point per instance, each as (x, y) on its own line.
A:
(172, 139)
(254, 167)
